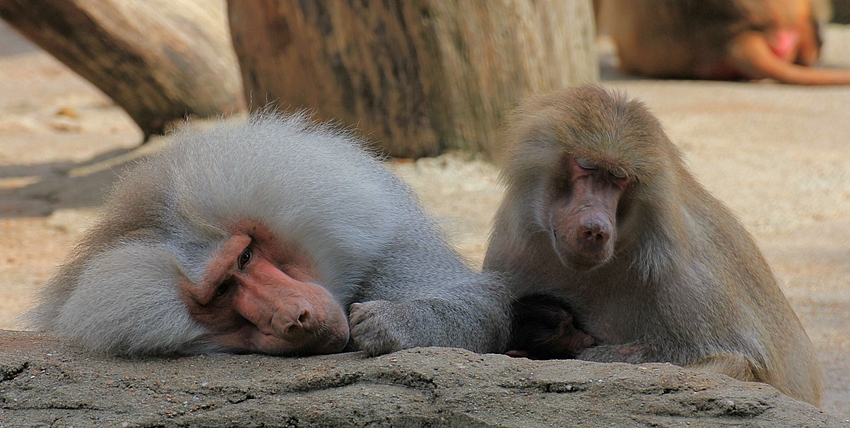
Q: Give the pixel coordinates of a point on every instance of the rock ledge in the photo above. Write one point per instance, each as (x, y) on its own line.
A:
(44, 382)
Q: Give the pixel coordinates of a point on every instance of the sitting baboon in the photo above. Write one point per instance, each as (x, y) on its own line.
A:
(602, 214)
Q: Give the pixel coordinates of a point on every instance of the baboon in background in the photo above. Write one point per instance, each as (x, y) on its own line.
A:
(602, 214)
(720, 39)
(262, 237)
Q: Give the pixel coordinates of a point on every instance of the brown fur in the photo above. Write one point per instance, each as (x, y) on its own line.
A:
(684, 282)
(719, 39)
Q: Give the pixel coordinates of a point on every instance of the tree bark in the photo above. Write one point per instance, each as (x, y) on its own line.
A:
(419, 77)
(160, 60)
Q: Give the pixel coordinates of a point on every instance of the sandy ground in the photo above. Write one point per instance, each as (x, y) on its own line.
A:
(779, 156)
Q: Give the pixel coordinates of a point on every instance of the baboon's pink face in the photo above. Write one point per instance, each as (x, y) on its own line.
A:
(260, 295)
(583, 212)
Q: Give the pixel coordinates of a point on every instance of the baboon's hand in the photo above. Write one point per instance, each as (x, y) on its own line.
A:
(629, 353)
(373, 326)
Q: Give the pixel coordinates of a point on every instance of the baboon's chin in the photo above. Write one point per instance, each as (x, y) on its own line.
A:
(584, 263)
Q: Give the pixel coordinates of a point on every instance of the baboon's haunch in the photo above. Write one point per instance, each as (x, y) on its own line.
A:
(720, 39)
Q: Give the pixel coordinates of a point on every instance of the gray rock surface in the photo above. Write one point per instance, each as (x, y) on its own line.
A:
(44, 382)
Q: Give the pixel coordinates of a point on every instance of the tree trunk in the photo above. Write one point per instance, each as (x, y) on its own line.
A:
(160, 60)
(841, 11)
(418, 76)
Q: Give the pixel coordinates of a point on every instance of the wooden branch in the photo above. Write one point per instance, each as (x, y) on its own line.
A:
(160, 60)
